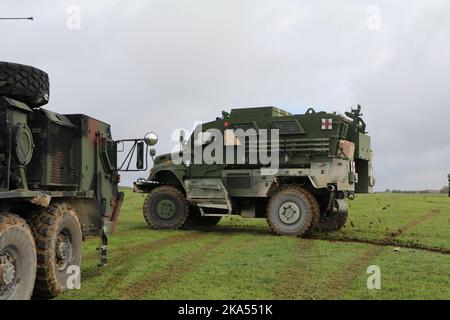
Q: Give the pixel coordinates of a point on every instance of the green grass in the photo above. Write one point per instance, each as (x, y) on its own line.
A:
(241, 259)
(410, 274)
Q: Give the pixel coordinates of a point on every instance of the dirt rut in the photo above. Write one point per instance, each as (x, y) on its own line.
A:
(355, 266)
(391, 239)
(123, 254)
(288, 287)
(186, 263)
(334, 287)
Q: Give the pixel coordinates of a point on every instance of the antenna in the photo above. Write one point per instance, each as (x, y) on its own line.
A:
(29, 18)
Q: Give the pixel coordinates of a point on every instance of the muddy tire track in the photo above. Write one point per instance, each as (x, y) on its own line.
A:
(288, 288)
(386, 243)
(186, 263)
(391, 239)
(120, 256)
(351, 270)
(292, 279)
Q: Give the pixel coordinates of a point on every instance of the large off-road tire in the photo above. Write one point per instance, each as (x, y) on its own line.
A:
(166, 207)
(17, 258)
(292, 210)
(195, 218)
(334, 221)
(58, 237)
(24, 83)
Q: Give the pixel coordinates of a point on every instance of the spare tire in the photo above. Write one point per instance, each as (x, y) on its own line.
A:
(24, 83)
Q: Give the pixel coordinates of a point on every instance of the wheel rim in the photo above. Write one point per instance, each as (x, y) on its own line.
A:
(289, 212)
(10, 264)
(166, 209)
(63, 250)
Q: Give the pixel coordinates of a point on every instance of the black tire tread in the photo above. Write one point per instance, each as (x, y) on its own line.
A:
(24, 83)
(169, 189)
(44, 224)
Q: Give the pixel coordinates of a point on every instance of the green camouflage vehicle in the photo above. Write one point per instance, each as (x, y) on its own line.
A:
(320, 160)
(58, 185)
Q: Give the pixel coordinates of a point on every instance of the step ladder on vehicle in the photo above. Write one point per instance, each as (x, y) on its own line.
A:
(209, 194)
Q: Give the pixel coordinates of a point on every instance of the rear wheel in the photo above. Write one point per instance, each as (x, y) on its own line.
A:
(292, 211)
(17, 259)
(334, 221)
(58, 237)
(166, 208)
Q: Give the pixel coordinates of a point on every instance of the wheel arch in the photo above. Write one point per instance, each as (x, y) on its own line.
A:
(280, 181)
(168, 177)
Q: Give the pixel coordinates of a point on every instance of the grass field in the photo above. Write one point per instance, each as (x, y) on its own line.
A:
(241, 259)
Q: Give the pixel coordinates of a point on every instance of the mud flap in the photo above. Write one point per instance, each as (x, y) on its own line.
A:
(116, 212)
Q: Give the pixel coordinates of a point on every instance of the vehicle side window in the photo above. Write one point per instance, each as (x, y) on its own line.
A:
(287, 126)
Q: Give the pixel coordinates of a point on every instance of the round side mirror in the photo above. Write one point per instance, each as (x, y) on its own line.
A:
(151, 139)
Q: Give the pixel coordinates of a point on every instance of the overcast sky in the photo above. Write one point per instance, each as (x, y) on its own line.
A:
(158, 65)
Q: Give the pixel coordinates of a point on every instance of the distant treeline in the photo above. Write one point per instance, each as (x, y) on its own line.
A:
(443, 190)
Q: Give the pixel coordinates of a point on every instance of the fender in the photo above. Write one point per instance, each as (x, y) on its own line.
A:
(161, 176)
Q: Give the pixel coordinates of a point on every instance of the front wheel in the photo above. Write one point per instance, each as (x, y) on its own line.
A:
(17, 259)
(166, 208)
(292, 211)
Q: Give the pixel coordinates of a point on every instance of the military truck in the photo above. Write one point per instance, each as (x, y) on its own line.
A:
(58, 185)
(322, 159)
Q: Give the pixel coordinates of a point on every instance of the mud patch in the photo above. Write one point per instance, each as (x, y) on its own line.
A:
(385, 243)
(391, 238)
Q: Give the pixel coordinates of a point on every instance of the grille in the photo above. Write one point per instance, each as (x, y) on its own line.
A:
(61, 149)
(4, 130)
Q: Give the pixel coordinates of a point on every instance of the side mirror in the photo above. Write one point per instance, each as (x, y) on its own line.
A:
(151, 139)
(182, 141)
(140, 155)
(182, 137)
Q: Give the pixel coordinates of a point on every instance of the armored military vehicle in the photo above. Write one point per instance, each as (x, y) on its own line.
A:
(58, 185)
(321, 159)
